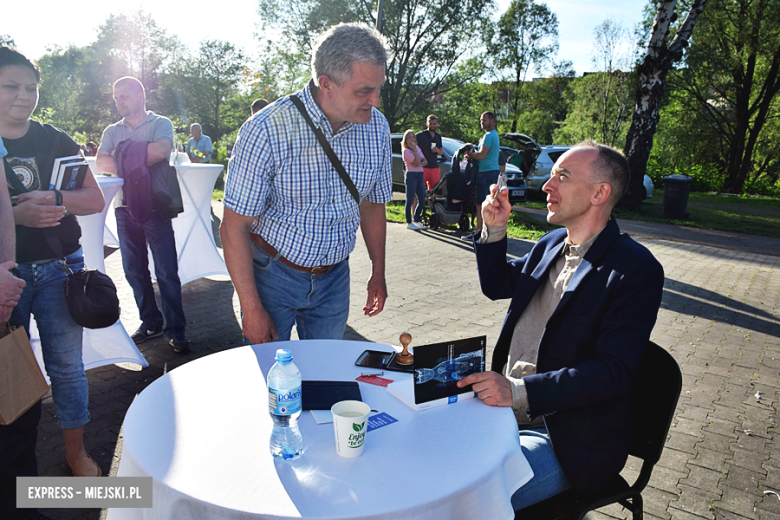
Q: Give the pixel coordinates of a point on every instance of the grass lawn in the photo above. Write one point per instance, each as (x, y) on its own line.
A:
(520, 225)
(752, 215)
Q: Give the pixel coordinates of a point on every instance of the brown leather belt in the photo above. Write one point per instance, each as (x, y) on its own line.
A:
(270, 250)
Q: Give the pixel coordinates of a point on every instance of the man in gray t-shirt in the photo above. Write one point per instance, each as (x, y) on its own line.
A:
(141, 125)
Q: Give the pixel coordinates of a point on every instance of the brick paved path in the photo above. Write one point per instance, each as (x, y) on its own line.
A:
(719, 318)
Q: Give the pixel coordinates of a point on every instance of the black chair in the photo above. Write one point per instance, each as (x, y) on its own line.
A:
(657, 388)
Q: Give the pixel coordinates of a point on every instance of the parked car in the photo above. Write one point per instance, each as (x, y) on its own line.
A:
(537, 161)
(514, 176)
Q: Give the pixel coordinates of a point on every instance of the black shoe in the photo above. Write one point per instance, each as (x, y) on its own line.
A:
(180, 346)
(143, 334)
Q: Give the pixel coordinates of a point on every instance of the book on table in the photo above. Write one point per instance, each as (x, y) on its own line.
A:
(437, 369)
(68, 173)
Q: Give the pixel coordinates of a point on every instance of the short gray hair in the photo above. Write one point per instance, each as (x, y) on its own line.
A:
(196, 125)
(343, 44)
(611, 167)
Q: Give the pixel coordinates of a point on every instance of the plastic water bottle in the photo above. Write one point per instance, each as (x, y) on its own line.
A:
(284, 405)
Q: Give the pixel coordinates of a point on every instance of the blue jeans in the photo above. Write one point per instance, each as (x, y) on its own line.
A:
(549, 478)
(133, 237)
(318, 305)
(44, 298)
(414, 186)
(484, 180)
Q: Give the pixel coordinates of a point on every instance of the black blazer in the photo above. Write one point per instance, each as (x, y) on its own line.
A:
(590, 349)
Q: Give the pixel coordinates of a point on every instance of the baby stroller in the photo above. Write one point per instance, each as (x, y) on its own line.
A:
(447, 200)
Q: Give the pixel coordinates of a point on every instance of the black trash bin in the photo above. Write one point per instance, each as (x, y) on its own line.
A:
(676, 190)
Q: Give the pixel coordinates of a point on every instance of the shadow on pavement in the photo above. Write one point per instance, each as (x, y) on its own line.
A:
(684, 298)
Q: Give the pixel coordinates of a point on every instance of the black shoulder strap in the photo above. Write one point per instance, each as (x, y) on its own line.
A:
(334, 160)
(12, 179)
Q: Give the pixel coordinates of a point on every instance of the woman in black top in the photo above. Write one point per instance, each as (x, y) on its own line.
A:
(46, 233)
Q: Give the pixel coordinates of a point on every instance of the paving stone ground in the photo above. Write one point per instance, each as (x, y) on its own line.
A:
(719, 319)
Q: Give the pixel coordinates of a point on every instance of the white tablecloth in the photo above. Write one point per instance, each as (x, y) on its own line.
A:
(202, 432)
(100, 346)
(109, 231)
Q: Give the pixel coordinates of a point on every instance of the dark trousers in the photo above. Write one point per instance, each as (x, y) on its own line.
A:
(133, 237)
(17, 459)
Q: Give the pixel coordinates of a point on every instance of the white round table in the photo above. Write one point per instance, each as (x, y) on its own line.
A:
(202, 433)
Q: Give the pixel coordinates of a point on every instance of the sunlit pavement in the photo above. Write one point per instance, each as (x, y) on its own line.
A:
(719, 319)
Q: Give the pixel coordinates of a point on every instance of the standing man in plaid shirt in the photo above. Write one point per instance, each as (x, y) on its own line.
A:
(290, 222)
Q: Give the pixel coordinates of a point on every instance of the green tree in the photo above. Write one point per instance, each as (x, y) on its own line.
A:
(610, 86)
(546, 94)
(526, 36)
(596, 112)
(537, 124)
(425, 37)
(732, 80)
(72, 92)
(202, 89)
(459, 108)
(134, 45)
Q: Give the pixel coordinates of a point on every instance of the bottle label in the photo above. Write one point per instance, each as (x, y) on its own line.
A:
(285, 402)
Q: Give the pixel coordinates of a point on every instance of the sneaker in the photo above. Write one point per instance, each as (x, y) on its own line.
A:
(180, 346)
(420, 226)
(411, 226)
(143, 334)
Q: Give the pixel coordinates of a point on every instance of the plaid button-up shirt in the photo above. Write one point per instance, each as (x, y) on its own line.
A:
(280, 174)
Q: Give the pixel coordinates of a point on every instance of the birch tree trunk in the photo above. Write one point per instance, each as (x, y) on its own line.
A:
(652, 72)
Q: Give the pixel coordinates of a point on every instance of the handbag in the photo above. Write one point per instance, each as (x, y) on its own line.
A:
(21, 382)
(91, 295)
(334, 160)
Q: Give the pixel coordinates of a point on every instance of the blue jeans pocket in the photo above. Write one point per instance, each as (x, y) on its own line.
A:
(260, 258)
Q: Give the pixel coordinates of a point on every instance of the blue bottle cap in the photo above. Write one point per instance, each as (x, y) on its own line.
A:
(283, 355)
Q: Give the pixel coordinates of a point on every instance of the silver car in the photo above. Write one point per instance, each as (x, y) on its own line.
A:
(537, 161)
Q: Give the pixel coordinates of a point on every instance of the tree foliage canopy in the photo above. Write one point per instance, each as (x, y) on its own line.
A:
(731, 81)
(525, 36)
(425, 40)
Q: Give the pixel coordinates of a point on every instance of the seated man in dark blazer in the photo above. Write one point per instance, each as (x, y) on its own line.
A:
(584, 302)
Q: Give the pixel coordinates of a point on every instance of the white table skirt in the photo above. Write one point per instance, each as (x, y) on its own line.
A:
(111, 345)
(109, 231)
(202, 433)
(198, 255)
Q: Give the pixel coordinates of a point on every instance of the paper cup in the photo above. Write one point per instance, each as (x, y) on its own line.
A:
(350, 423)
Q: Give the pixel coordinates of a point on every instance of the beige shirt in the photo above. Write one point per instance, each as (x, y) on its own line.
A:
(530, 328)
